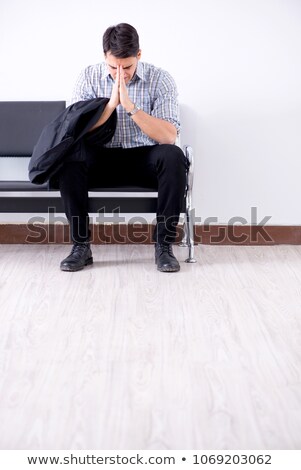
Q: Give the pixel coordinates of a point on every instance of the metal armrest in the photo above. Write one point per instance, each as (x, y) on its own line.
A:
(188, 152)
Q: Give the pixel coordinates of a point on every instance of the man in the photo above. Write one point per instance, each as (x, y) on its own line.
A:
(141, 152)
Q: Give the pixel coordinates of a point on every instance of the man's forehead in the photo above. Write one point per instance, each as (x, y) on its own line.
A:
(114, 61)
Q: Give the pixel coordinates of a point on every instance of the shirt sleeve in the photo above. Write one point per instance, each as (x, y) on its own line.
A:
(83, 89)
(165, 105)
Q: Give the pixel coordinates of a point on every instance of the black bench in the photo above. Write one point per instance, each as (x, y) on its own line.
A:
(21, 123)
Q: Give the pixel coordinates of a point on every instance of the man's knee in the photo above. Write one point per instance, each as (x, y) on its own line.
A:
(172, 156)
(70, 176)
(70, 169)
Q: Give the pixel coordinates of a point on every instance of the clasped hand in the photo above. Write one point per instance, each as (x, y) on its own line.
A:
(120, 93)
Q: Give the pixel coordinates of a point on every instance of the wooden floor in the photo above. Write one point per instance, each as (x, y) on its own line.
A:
(120, 356)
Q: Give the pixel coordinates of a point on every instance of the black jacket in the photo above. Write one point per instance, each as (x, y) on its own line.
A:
(62, 138)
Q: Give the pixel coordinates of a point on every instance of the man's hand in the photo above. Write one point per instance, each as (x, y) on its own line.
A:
(120, 93)
(115, 98)
(112, 104)
(119, 96)
(125, 101)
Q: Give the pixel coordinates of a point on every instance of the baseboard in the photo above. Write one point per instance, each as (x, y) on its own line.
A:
(142, 234)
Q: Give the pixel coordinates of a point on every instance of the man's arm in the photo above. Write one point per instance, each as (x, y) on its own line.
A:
(109, 108)
(157, 129)
(83, 89)
(111, 105)
(161, 131)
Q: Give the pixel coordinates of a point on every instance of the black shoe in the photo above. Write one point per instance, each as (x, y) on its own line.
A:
(165, 259)
(80, 256)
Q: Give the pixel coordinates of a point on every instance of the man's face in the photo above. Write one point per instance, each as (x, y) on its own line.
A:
(129, 65)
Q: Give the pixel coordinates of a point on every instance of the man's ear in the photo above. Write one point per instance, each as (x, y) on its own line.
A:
(139, 54)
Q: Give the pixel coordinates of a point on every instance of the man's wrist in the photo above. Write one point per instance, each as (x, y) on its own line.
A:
(129, 107)
(111, 105)
(133, 110)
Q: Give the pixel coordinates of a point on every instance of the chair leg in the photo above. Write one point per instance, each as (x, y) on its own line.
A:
(183, 242)
(190, 236)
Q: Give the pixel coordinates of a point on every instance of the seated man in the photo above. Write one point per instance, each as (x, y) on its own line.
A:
(141, 152)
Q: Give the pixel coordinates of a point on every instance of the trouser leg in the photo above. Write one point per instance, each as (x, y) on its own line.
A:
(171, 175)
(73, 184)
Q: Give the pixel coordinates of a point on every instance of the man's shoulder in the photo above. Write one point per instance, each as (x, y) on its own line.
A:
(157, 75)
(151, 72)
(153, 69)
(98, 69)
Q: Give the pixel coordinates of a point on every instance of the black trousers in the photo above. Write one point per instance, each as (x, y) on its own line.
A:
(158, 166)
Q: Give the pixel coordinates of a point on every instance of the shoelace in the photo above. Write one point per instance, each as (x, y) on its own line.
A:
(165, 249)
(79, 248)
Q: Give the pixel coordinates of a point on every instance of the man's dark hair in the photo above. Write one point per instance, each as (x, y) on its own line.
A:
(121, 41)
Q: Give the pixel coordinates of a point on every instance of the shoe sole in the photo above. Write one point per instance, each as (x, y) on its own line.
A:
(73, 270)
(166, 269)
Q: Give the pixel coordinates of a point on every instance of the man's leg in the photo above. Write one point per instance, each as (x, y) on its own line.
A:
(90, 167)
(163, 167)
(171, 174)
(73, 184)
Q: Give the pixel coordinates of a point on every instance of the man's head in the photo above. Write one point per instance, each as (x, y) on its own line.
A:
(121, 47)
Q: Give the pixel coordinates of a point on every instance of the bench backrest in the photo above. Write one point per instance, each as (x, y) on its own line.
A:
(21, 123)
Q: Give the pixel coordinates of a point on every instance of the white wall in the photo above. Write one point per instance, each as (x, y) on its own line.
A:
(238, 69)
